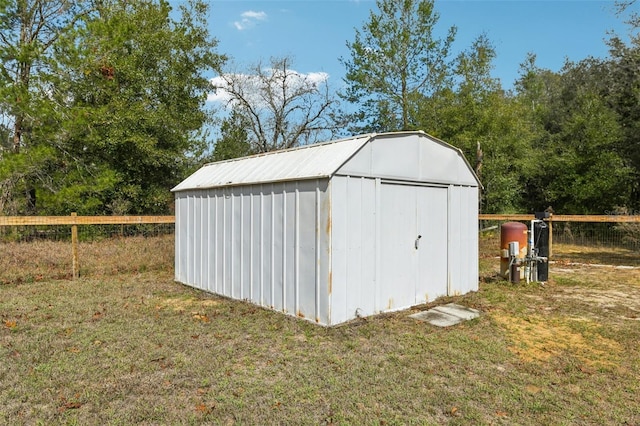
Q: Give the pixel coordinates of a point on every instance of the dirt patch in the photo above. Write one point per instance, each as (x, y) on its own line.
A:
(538, 338)
(180, 304)
(566, 317)
(613, 298)
(611, 290)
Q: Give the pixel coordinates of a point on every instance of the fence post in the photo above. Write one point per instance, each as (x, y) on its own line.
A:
(74, 248)
(550, 235)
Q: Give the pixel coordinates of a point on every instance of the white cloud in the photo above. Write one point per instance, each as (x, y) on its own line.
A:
(220, 95)
(251, 84)
(249, 19)
(250, 14)
(318, 77)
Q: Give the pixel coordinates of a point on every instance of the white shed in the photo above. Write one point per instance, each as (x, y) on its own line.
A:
(333, 231)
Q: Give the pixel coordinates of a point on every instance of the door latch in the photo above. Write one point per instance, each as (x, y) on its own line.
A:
(418, 241)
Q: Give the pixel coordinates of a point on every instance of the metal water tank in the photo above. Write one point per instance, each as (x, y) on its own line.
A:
(509, 232)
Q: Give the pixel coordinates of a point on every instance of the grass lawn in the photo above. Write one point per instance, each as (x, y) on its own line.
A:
(127, 345)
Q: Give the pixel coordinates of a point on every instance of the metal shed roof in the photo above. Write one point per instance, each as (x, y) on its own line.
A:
(308, 162)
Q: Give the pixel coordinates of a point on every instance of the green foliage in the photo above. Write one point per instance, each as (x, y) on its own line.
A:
(567, 139)
(119, 108)
(102, 107)
(576, 138)
(29, 28)
(234, 140)
(136, 89)
(622, 92)
(394, 61)
(477, 116)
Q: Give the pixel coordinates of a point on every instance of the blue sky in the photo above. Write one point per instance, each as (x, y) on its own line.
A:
(314, 32)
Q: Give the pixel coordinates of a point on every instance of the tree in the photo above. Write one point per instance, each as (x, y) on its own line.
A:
(477, 116)
(131, 89)
(633, 18)
(282, 107)
(125, 93)
(395, 61)
(28, 30)
(622, 91)
(234, 140)
(579, 168)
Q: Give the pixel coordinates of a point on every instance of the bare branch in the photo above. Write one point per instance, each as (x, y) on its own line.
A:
(285, 108)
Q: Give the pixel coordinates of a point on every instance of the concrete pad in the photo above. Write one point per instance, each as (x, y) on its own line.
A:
(458, 311)
(436, 318)
(446, 315)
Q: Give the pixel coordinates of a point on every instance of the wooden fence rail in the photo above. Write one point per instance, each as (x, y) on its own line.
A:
(565, 218)
(74, 221)
(83, 220)
(141, 220)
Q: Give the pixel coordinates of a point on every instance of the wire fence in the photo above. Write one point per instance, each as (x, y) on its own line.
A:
(86, 233)
(605, 240)
(612, 235)
(34, 249)
(40, 248)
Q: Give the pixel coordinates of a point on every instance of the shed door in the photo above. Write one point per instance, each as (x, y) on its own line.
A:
(413, 244)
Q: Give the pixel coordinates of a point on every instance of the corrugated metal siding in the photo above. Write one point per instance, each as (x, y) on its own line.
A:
(353, 248)
(308, 162)
(268, 244)
(463, 245)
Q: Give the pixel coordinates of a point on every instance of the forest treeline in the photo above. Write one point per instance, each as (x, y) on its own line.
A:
(103, 107)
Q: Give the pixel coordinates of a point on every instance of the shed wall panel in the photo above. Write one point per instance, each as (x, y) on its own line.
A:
(218, 237)
(257, 241)
(265, 243)
(361, 217)
(192, 240)
(204, 242)
(269, 265)
(182, 234)
(197, 242)
(339, 261)
(324, 277)
(306, 267)
(455, 247)
(228, 242)
(463, 246)
(277, 247)
(212, 247)
(353, 247)
(469, 238)
(396, 159)
(290, 252)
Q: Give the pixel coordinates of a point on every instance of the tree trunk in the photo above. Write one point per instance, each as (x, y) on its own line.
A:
(17, 133)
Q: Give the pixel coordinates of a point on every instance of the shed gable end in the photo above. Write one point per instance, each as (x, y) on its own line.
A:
(410, 156)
